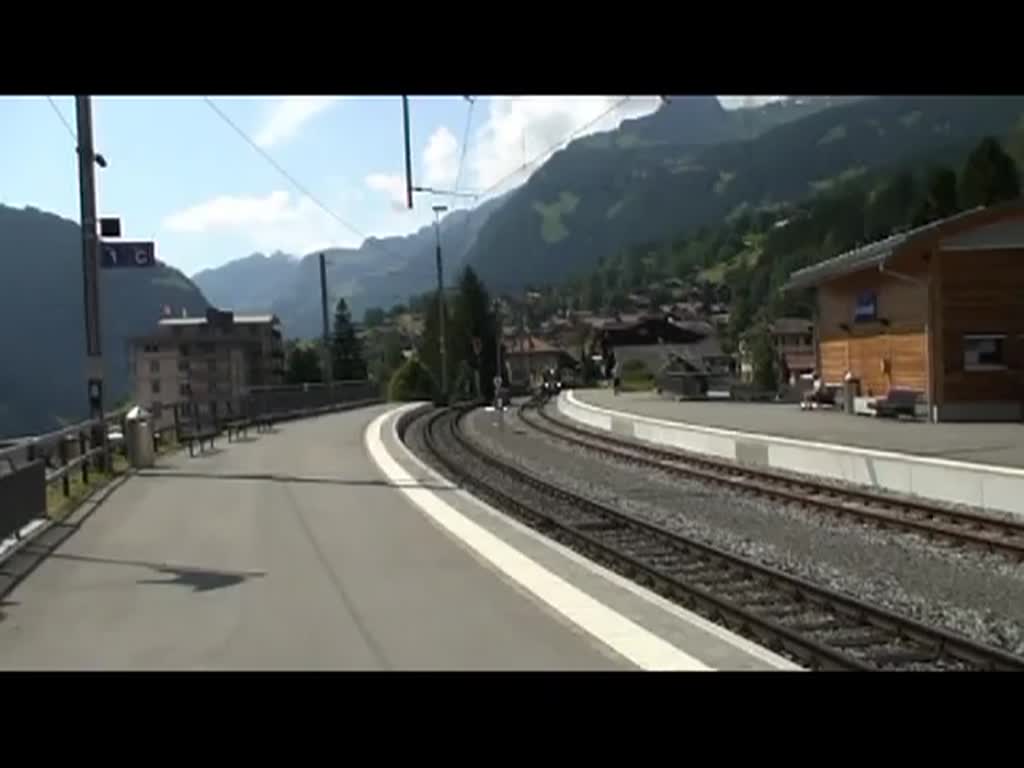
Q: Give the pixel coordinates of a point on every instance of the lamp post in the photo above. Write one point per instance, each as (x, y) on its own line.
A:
(90, 268)
(326, 355)
(438, 210)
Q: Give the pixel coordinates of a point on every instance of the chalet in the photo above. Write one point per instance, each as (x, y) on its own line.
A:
(655, 338)
(938, 310)
(527, 357)
(793, 340)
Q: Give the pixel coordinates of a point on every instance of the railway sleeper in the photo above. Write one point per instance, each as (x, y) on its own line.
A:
(814, 626)
(854, 639)
(597, 525)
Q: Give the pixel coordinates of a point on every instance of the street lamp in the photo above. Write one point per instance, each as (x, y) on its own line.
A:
(438, 210)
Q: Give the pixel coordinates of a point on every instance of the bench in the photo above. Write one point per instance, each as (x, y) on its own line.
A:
(898, 402)
(235, 424)
(198, 437)
(195, 429)
(824, 396)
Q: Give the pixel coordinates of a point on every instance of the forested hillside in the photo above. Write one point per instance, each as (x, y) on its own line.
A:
(42, 346)
(749, 257)
(609, 192)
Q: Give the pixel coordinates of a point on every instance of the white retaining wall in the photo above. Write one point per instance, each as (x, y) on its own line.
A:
(978, 485)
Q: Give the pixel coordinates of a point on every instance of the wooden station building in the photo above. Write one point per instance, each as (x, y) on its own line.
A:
(938, 309)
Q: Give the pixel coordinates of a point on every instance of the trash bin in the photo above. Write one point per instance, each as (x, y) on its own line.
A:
(139, 438)
(851, 391)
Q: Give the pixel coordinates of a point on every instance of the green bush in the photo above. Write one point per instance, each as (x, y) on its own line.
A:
(636, 377)
(634, 369)
(412, 381)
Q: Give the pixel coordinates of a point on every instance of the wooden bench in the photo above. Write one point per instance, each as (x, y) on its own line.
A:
(898, 402)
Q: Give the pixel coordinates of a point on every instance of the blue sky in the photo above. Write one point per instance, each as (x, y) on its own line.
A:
(178, 174)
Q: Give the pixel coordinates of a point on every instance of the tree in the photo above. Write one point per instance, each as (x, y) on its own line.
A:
(473, 318)
(940, 197)
(989, 176)
(412, 381)
(384, 355)
(373, 317)
(347, 363)
(890, 205)
(762, 358)
(303, 364)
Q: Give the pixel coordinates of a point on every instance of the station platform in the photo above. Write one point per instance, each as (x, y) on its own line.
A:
(981, 465)
(327, 545)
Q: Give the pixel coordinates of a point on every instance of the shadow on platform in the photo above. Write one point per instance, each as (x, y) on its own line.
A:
(198, 579)
(278, 478)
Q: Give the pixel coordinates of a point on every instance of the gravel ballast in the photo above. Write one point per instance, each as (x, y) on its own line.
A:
(963, 590)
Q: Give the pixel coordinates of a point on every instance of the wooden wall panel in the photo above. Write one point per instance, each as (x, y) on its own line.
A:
(983, 292)
(833, 360)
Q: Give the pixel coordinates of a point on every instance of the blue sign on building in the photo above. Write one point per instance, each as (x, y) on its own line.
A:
(866, 308)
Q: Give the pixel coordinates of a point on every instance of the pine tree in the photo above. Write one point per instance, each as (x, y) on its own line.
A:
(473, 318)
(303, 364)
(347, 363)
(989, 176)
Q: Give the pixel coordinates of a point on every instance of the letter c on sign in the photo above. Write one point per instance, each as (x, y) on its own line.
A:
(141, 257)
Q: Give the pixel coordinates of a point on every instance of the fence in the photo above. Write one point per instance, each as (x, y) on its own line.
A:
(295, 400)
(30, 465)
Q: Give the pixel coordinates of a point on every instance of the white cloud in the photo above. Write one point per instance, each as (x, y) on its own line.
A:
(391, 184)
(288, 115)
(441, 159)
(274, 222)
(734, 102)
(519, 130)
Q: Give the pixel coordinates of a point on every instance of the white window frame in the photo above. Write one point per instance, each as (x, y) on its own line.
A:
(982, 367)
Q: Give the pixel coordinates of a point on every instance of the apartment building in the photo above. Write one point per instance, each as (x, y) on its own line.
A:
(215, 358)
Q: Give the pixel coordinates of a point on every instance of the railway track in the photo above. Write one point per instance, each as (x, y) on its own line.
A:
(818, 627)
(960, 527)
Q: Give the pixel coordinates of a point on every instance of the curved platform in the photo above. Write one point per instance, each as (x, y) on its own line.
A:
(295, 550)
(980, 465)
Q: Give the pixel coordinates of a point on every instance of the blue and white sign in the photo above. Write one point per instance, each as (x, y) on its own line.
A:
(127, 254)
(866, 308)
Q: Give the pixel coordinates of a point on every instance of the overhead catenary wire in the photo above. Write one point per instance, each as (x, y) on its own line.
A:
(465, 142)
(56, 109)
(576, 132)
(295, 182)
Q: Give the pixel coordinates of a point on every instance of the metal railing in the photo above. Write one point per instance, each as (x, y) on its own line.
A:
(296, 400)
(29, 466)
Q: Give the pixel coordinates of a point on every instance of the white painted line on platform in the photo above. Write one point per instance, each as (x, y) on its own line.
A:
(628, 639)
(723, 634)
(995, 469)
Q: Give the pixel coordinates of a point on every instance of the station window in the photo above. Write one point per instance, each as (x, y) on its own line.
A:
(183, 390)
(156, 408)
(155, 386)
(154, 366)
(984, 352)
(183, 366)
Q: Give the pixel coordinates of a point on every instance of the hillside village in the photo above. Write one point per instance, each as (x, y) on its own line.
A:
(690, 329)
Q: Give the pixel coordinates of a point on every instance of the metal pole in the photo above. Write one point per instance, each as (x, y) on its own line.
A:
(441, 313)
(328, 373)
(90, 270)
(408, 151)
